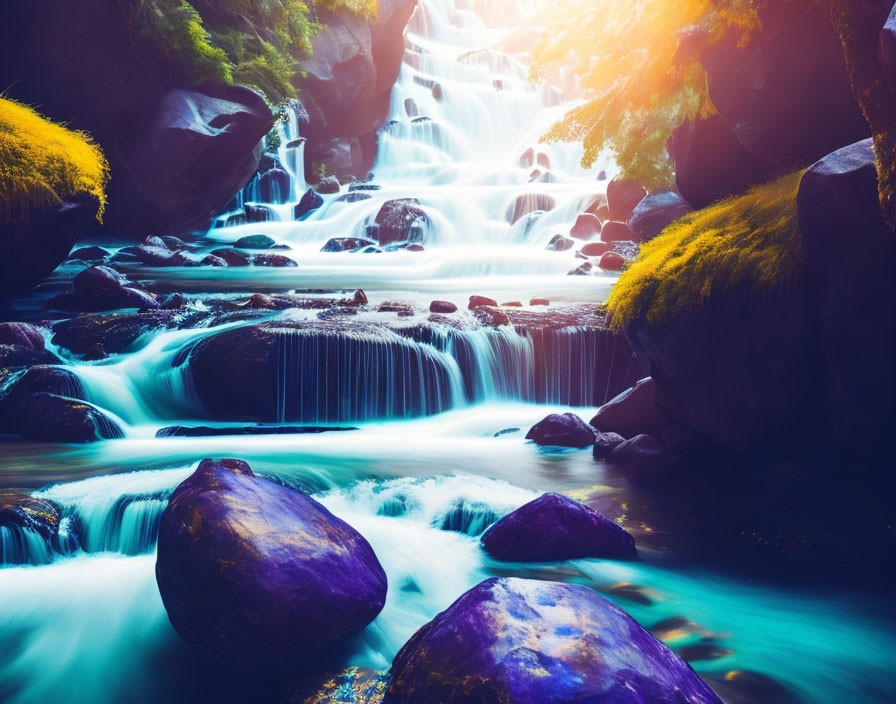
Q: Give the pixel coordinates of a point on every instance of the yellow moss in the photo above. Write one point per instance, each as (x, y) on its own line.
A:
(750, 240)
(42, 163)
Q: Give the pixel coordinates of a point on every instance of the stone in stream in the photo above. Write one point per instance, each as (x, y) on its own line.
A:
(26, 512)
(611, 261)
(328, 185)
(559, 243)
(91, 254)
(273, 185)
(309, 202)
(553, 528)
(617, 232)
(623, 197)
(534, 642)
(273, 260)
(632, 412)
(442, 307)
(596, 249)
(346, 244)
(562, 430)
(605, 443)
(232, 256)
(586, 227)
(37, 379)
(46, 417)
(400, 220)
(100, 288)
(477, 301)
(22, 335)
(255, 242)
(256, 575)
(643, 457)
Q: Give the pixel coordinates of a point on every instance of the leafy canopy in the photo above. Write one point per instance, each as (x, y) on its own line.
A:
(751, 240)
(636, 89)
(43, 163)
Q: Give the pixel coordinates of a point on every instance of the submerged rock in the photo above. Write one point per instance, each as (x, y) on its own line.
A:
(257, 575)
(346, 244)
(533, 642)
(553, 528)
(562, 430)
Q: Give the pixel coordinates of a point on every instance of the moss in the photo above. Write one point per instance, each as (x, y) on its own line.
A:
(750, 240)
(43, 163)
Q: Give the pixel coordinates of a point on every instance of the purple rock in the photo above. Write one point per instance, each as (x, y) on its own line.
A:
(257, 575)
(605, 443)
(562, 430)
(533, 642)
(552, 528)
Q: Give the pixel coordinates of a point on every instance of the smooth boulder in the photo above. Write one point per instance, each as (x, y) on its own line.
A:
(535, 642)
(562, 430)
(401, 220)
(257, 575)
(622, 197)
(553, 528)
(632, 412)
(46, 417)
(656, 212)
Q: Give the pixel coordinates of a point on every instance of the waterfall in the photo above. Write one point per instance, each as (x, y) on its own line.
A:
(23, 546)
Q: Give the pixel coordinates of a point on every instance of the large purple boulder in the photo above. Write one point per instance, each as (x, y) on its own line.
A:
(554, 527)
(653, 214)
(533, 642)
(256, 575)
(562, 430)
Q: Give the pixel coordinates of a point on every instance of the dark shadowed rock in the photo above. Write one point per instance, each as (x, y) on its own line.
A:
(22, 345)
(653, 214)
(534, 642)
(400, 220)
(21, 335)
(346, 244)
(101, 335)
(41, 379)
(231, 256)
(605, 443)
(102, 288)
(256, 212)
(632, 412)
(273, 186)
(257, 575)
(562, 430)
(622, 197)
(46, 417)
(553, 528)
(643, 457)
(273, 260)
(309, 202)
(88, 254)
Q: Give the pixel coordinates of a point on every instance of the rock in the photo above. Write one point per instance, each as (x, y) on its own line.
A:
(46, 417)
(596, 249)
(489, 316)
(553, 528)
(838, 197)
(653, 214)
(26, 512)
(527, 160)
(41, 379)
(255, 242)
(256, 213)
(177, 301)
(88, 254)
(583, 269)
(476, 301)
(586, 227)
(256, 575)
(632, 412)
(328, 185)
(533, 642)
(273, 260)
(175, 244)
(610, 261)
(745, 687)
(101, 288)
(21, 335)
(559, 243)
(231, 256)
(273, 186)
(622, 197)
(353, 197)
(539, 302)
(346, 244)
(710, 162)
(529, 203)
(212, 260)
(187, 159)
(562, 430)
(400, 220)
(617, 232)
(100, 335)
(605, 443)
(643, 457)
(442, 307)
(309, 202)
(31, 249)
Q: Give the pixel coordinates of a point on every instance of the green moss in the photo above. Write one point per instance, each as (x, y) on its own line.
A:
(750, 240)
(43, 163)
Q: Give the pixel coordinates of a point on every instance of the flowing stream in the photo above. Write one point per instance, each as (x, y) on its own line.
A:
(439, 451)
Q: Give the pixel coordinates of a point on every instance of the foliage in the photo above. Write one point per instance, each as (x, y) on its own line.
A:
(638, 88)
(750, 240)
(259, 43)
(42, 163)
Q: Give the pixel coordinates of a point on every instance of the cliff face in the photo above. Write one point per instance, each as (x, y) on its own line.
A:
(179, 148)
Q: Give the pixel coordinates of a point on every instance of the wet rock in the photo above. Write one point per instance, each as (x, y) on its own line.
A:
(38, 515)
(100, 335)
(46, 417)
(583, 269)
(273, 260)
(255, 242)
(255, 213)
(41, 379)
(527, 160)
(88, 254)
(400, 220)
(102, 288)
(617, 232)
(354, 197)
(559, 243)
(491, 317)
(530, 642)
(177, 301)
(605, 443)
(22, 335)
(562, 430)
(273, 186)
(653, 214)
(611, 261)
(175, 244)
(359, 298)
(476, 301)
(622, 197)
(442, 307)
(529, 203)
(643, 457)
(211, 260)
(231, 256)
(257, 575)
(586, 227)
(309, 202)
(596, 249)
(346, 244)
(632, 412)
(354, 685)
(328, 185)
(539, 302)
(553, 528)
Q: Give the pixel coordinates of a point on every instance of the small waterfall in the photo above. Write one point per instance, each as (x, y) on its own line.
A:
(23, 546)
